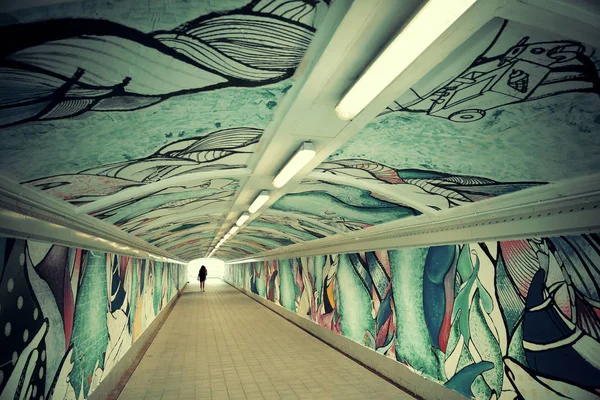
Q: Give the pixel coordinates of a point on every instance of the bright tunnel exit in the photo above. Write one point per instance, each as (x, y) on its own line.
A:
(215, 267)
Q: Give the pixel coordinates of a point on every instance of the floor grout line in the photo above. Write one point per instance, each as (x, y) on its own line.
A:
(114, 394)
(405, 390)
(221, 344)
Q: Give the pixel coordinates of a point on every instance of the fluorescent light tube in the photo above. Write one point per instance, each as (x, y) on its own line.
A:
(430, 22)
(303, 155)
(234, 229)
(260, 200)
(243, 218)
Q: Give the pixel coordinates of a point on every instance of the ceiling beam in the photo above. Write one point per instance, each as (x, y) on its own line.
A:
(565, 208)
(30, 214)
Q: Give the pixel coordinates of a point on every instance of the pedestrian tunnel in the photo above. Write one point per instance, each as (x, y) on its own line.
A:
(391, 198)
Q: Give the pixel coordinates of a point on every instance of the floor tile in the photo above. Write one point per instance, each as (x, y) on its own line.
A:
(221, 344)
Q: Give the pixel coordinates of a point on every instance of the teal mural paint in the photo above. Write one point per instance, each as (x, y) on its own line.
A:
(478, 318)
(81, 316)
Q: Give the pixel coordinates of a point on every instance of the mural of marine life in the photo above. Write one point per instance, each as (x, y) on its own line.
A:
(69, 315)
(63, 68)
(494, 320)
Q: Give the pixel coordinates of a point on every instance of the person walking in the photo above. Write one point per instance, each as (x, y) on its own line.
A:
(202, 277)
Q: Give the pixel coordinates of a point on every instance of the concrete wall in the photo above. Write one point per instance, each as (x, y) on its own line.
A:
(70, 316)
(510, 319)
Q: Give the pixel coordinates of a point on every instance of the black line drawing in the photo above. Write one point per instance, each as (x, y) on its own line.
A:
(527, 71)
(223, 149)
(62, 68)
(437, 190)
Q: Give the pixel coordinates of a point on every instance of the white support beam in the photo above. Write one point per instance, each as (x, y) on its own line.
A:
(569, 207)
(29, 213)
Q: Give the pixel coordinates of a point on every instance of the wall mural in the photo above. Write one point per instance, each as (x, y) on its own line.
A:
(495, 320)
(511, 104)
(222, 149)
(69, 315)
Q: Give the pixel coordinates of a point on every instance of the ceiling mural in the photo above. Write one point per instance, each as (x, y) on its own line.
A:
(62, 68)
(248, 247)
(200, 226)
(287, 227)
(168, 202)
(128, 111)
(115, 82)
(511, 104)
(223, 149)
(268, 241)
(436, 190)
(151, 117)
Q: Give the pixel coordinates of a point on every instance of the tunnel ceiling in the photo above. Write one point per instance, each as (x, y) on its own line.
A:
(153, 119)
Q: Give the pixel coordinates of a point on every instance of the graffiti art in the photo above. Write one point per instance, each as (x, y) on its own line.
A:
(495, 320)
(69, 315)
(505, 74)
(223, 149)
(62, 68)
(432, 189)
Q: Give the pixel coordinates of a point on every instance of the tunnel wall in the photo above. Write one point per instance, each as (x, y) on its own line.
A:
(68, 315)
(488, 320)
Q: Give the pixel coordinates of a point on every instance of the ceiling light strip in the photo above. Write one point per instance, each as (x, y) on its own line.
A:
(303, 155)
(243, 218)
(431, 22)
(260, 200)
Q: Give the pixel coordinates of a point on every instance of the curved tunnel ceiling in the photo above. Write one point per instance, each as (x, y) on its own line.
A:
(155, 125)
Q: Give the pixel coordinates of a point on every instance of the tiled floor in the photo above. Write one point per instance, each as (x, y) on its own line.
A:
(221, 344)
